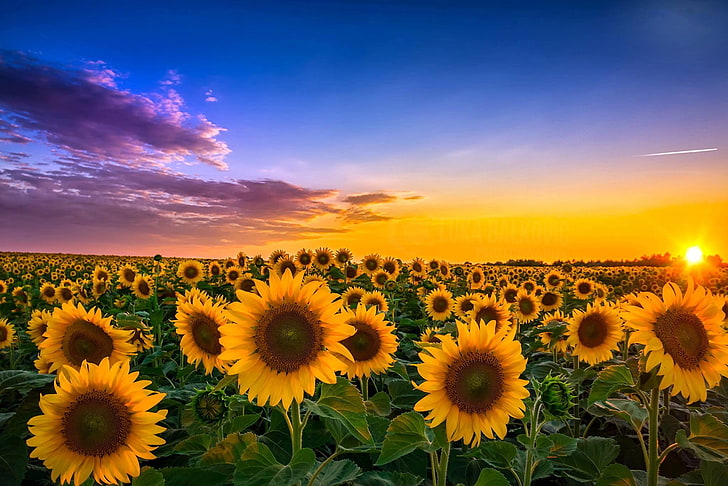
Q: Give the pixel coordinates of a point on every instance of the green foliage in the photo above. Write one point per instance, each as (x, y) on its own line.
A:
(708, 438)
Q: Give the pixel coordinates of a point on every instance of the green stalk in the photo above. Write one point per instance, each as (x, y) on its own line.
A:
(533, 431)
(322, 466)
(433, 465)
(365, 387)
(442, 466)
(653, 463)
(296, 428)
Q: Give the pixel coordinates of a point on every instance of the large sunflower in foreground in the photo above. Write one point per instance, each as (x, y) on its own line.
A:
(594, 333)
(284, 339)
(473, 385)
(683, 338)
(98, 422)
(74, 335)
(372, 345)
(198, 322)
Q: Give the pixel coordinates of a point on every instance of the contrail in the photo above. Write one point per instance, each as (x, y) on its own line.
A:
(680, 152)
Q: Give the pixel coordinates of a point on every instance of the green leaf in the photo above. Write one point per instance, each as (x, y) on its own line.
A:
(13, 460)
(23, 381)
(610, 380)
(405, 434)
(5, 416)
(708, 438)
(193, 476)
(259, 467)
(562, 445)
(337, 472)
(497, 453)
(196, 444)
(616, 475)
(148, 477)
(343, 402)
(403, 394)
(713, 473)
(240, 423)
(229, 450)
(384, 478)
(491, 477)
(627, 410)
(379, 404)
(227, 380)
(591, 457)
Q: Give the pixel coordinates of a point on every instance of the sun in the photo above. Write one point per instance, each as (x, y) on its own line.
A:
(694, 255)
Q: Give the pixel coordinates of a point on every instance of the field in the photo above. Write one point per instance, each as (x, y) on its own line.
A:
(323, 369)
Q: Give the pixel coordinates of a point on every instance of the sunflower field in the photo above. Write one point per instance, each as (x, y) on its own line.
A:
(321, 369)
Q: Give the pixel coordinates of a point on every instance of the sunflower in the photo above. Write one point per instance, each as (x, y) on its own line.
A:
(430, 336)
(439, 304)
(190, 271)
(286, 263)
(583, 288)
(594, 333)
(100, 273)
(48, 292)
(199, 323)
(99, 422)
(371, 263)
(304, 258)
(214, 269)
(560, 344)
(21, 296)
(509, 293)
(37, 325)
(323, 259)
(489, 309)
(352, 296)
(444, 270)
(75, 335)
(465, 304)
(241, 259)
(433, 265)
(526, 308)
(551, 300)
(245, 283)
(372, 345)
(99, 288)
(553, 280)
(351, 272)
(683, 338)
(391, 266)
(276, 255)
(141, 338)
(127, 274)
(529, 286)
(473, 385)
(233, 273)
(379, 278)
(3, 287)
(7, 334)
(258, 260)
(375, 299)
(64, 294)
(143, 286)
(284, 340)
(344, 256)
(476, 278)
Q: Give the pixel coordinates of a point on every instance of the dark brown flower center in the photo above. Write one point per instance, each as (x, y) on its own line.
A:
(215, 270)
(288, 265)
(351, 271)
(477, 277)
(353, 298)
(510, 295)
(549, 298)
(434, 265)
(529, 286)
(96, 424)
(371, 264)
(3, 333)
(143, 287)
(343, 257)
(440, 304)
(84, 340)
(304, 259)
(525, 305)
(65, 293)
(364, 344)
(101, 275)
(206, 333)
(129, 275)
(389, 267)
(553, 280)
(467, 305)
(584, 288)
(593, 330)
(233, 275)
(49, 292)
(191, 271)
(288, 337)
(474, 382)
(683, 335)
(486, 314)
(247, 284)
(323, 259)
(417, 267)
(381, 278)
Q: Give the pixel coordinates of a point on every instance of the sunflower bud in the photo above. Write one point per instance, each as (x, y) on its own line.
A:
(210, 406)
(556, 395)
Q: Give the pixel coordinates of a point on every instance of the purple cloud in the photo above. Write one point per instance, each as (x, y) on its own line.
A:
(86, 115)
(209, 96)
(360, 215)
(370, 198)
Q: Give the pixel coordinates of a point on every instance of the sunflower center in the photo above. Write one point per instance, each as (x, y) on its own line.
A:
(3, 333)
(553, 280)
(96, 424)
(233, 275)
(129, 275)
(381, 278)
(477, 277)
(529, 286)
(466, 305)
(365, 342)
(371, 264)
(351, 271)
(288, 337)
(474, 382)
(353, 298)
(510, 296)
(549, 298)
(49, 292)
(304, 259)
(144, 288)
(417, 267)
(683, 335)
(247, 284)
(215, 270)
(486, 314)
(66, 293)
(440, 304)
(206, 334)
(191, 272)
(288, 265)
(389, 267)
(525, 306)
(86, 341)
(323, 258)
(584, 288)
(593, 330)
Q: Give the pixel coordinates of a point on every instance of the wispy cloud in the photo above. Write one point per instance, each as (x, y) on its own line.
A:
(370, 198)
(84, 113)
(209, 97)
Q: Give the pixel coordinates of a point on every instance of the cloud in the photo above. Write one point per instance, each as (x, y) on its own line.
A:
(209, 97)
(13, 157)
(83, 113)
(370, 198)
(360, 215)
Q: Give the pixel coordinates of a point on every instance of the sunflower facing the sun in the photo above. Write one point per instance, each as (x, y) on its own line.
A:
(285, 339)
(198, 322)
(474, 384)
(594, 333)
(682, 338)
(98, 422)
(373, 345)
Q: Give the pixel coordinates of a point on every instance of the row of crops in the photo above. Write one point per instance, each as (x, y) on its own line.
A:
(319, 368)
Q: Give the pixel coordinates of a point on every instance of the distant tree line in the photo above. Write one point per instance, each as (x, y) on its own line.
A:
(654, 260)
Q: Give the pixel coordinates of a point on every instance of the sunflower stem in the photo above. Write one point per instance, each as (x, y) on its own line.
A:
(433, 465)
(296, 428)
(653, 463)
(533, 431)
(364, 380)
(442, 466)
(577, 393)
(323, 465)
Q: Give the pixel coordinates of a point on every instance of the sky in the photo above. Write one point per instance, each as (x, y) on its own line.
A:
(465, 131)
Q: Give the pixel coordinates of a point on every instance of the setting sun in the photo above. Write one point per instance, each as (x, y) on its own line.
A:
(694, 255)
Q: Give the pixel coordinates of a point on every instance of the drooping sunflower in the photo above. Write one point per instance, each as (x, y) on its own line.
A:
(75, 334)
(595, 333)
(285, 339)
(583, 288)
(351, 271)
(464, 304)
(7, 334)
(98, 422)
(190, 271)
(371, 263)
(37, 325)
(323, 259)
(526, 308)
(553, 280)
(372, 345)
(551, 300)
(241, 259)
(199, 323)
(474, 384)
(476, 278)
(683, 338)
(48, 292)
(352, 296)
(439, 304)
(304, 258)
(20, 296)
(127, 274)
(379, 278)
(143, 286)
(489, 309)
(375, 299)
(444, 271)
